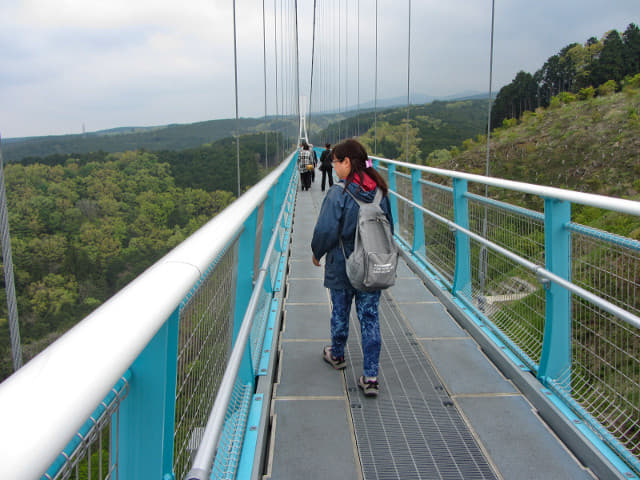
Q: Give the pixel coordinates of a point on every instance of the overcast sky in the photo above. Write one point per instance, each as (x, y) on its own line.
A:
(66, 65)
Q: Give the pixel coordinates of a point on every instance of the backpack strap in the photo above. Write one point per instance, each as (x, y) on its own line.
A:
(376, 200)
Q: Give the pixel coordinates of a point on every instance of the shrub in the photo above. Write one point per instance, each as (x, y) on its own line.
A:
(566, 97)
(607, 88)
(467, 144)
(631, 83)
(587, 93)
(509, 122)
(555, 103)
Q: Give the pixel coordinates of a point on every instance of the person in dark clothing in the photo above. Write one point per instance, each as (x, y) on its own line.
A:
(337, 221)
(326, 167)
(305, 166)
(315, 163)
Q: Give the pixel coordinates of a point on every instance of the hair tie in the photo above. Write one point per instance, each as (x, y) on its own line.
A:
(368, 163)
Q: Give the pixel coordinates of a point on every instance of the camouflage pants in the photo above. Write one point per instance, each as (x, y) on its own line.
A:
(367, 310)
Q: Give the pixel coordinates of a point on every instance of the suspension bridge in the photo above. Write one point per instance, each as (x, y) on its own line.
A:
(510, 342)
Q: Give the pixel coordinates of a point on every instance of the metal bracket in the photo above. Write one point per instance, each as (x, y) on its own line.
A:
(546, 283)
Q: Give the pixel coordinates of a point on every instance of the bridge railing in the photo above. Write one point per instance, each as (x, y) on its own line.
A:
(564, 297)
(128, 391)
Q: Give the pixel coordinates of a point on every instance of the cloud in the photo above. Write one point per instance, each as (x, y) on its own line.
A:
(151, 62)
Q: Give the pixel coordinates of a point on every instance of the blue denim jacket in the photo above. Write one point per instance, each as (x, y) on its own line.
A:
(338, 218)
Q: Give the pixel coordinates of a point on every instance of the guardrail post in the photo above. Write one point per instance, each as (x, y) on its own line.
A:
(393, 201)
(268, 216)
(147, 414)
(418, 218)
(462, 273)
(244, 288)
(556, 346)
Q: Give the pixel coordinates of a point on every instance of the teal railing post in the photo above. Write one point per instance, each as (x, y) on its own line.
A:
(147, 415)
(462, 273)
(392, 198)
(556, 345)
(244, 288)
(268, 217)
(418, 218)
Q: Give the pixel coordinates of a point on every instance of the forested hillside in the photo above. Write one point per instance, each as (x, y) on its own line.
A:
(577, 68)
(169, 137)
(432, 126)
(84, 226)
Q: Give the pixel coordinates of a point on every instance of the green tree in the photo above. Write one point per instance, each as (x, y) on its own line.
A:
(610, 65)
(631, 39)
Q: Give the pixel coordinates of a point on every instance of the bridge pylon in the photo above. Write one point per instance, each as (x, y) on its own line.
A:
(302, 136)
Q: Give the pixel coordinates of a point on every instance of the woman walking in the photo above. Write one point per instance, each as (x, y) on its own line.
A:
(337, 222)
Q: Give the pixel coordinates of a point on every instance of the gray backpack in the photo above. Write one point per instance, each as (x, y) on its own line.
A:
(372, 264)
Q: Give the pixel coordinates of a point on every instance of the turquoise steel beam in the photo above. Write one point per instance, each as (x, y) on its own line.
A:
(462, 273)
(244, 288)
(418, 217)
(147, 415)
(556, 345)
(392, 199)
(250, 440)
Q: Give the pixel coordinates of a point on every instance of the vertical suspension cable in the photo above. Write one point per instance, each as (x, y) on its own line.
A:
(283, 127)
(264, 65)
(10, 289)
(375, 94)
(358, 73)
(490, 93)
(346, 69)
(339, 69)
(235, 69)
(408, 76)
(297, 66)
(482, 274)
(275, 51)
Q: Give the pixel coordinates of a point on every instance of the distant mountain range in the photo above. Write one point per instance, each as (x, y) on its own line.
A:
(182, 136)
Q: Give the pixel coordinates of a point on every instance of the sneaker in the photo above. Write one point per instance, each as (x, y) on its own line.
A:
(335, 362)
(369, 387)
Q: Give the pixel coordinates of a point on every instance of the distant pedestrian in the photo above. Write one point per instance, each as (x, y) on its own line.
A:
(305, 166)
(315, 162)
(325, 166)
(336, 224)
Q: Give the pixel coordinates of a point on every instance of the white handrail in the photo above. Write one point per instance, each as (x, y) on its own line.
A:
(44, 403)
(617, 204)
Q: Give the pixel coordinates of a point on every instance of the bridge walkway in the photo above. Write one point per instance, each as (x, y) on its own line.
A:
(444, 410)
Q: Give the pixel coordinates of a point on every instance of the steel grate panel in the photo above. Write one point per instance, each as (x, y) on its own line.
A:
(412, 430)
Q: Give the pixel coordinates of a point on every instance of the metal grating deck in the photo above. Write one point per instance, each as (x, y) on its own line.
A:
(412, 430)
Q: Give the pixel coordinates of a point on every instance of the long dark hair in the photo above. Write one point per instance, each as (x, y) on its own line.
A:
(358, 156)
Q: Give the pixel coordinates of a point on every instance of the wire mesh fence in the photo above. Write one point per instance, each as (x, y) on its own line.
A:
(230, 446)
(405, 211)
(204, 343)
(508, 294)
(604, 377)
(439, 239)
(93, 454)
